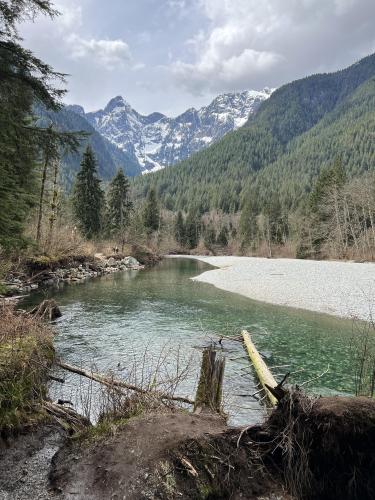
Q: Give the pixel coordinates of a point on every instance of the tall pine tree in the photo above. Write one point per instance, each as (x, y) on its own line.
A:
(151, 212)
(119, 206)
(88, 197)
(24, 81)
(248, 222)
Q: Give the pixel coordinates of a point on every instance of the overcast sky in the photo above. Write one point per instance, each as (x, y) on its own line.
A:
(169, 55)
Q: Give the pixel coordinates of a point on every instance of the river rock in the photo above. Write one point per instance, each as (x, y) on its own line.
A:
(131, 262)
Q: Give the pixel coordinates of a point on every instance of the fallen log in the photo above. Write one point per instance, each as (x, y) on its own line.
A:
(264, 375)
(111, 382)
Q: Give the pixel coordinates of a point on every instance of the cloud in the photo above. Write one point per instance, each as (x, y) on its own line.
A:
(70, 15)
(252, 43)
(224, 71)
(108, 53)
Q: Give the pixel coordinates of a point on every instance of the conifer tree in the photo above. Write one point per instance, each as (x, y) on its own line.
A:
(192, 228)
(333, 177)
(179, 229)
(88, 197)
(248, 222)
(326, 215)
(276, 225)
(151, 212)
(24, 81)
(119, 206)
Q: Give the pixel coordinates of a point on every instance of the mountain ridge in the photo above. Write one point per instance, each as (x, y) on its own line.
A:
(156, 140)
(255, 155)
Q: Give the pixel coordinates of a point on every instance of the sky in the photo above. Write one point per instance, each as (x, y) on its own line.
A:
(170, 55)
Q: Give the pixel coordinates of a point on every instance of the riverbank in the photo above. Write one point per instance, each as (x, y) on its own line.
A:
(344, 289)
(41, 273)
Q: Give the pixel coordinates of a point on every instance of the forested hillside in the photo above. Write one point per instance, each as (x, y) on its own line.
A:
(347, 132)
(110, 158)
(302, 127)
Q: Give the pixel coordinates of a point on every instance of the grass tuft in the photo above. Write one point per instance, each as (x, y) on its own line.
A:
(26, 354)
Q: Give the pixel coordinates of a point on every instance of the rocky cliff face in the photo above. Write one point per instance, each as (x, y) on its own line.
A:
(157, 141)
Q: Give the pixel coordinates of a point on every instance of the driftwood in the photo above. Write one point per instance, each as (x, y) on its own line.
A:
(48, 309)
(66, 417)
(264, 375)
(113, 383)
(210, 387)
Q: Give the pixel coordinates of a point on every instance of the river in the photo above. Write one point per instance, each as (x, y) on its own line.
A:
(145, 318)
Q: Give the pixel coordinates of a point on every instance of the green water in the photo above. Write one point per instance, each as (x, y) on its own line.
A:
(110, 323)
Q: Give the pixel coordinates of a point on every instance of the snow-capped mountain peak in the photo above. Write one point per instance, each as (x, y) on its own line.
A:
(157, 141)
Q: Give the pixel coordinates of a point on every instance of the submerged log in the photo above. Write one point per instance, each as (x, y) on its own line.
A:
(210, 387)
(113, 383)
(264, 375)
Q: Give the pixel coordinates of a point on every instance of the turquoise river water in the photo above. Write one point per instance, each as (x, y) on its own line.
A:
(134, 321)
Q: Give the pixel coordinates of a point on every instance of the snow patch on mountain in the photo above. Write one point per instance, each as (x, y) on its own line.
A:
(157, 141)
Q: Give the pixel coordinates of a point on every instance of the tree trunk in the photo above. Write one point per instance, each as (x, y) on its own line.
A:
(53, 215)
(41, 196)
(210, 387)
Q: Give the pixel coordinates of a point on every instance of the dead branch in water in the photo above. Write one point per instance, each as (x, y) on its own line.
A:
(111, 382)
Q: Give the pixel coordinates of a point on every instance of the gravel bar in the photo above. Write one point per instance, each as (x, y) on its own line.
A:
(345, 289)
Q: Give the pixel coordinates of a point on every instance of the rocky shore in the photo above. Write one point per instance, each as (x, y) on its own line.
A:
(74, 270)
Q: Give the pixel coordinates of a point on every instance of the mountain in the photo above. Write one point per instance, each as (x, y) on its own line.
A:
(303, 127)
(156, 141)
(109, 157)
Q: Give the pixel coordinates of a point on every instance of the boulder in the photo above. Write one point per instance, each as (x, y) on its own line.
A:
(131, 262)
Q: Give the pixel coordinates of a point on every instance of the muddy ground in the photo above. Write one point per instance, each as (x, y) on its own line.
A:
(25, 463)
(147, 459)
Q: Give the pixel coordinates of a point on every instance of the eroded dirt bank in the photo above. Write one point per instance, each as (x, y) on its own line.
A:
(308, 448)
